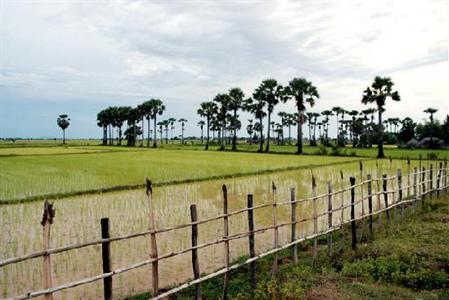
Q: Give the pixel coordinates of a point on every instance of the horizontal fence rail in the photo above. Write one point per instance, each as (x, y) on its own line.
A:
(410, 188)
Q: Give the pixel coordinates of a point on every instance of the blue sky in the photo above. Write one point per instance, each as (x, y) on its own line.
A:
(79, 57)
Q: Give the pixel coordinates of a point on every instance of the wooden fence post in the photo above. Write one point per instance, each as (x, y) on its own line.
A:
(440, 169)
(353, 225)
(400, 193)
(275, 228)
(293, 226)
(195, 263)
(153, 242)
(106, 257)
(329, 208)
(342, 211)
(315, 219)
(431, 189)
(408, 176)
(252, 246)
(423, 186)
(47, 220)
(226, 242)
(370, 206)
(415, 188)
(362, 201)
(384, 187)
(420, 162)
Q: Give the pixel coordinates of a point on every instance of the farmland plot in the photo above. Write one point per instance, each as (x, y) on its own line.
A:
(78, 218)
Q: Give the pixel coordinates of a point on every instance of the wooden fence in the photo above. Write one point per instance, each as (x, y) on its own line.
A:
(407, 193)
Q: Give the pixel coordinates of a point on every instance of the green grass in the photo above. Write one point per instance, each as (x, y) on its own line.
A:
(23, 177)
(404, 261)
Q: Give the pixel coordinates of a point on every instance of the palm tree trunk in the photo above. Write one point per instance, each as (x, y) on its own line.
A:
(234, 138)
(148, 131)
(120, 135)
(261, 136)
(222, 136)
(289, 134)
(202, 134)
(63, 136)
(299, 130)
(154, 132)
(105, 135)
(380, 146)
(207, 133)
(267, 148)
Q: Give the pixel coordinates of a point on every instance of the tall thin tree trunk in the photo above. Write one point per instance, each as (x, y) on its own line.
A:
(120, 135)
(380, 150)
(261, 136)
(202, 134)
(63, 136)
(207, 133)
(148, 131)
(289, 134)
(222, 136)
(299, 130)
(105, 135)
(267, 148)
(234, 138)
(155, 132)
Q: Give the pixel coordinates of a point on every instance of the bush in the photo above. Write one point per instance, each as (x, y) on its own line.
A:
(322, 150)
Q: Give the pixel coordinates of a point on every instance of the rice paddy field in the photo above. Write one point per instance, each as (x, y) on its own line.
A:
(31, 173)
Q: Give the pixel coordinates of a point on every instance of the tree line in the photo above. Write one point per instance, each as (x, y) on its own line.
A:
(220, 116)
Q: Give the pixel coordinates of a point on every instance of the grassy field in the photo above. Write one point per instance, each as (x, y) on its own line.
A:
(404, 261)
(29, 176)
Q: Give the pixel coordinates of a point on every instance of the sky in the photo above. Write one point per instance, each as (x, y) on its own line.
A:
(78, 57)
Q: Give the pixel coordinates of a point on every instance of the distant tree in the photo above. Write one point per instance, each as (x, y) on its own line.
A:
(431, 111)
(201, 125)
(63, 122)
(133, 130)
(161, 125)
(407, 131)
(310, 124)
(223, 101)
(301, 91)
(327, 114)
(157, 108)
(256, 107)
(102, 122)
(120, 118)
(380, 90)
(172, 121)
(270, 92)
(353, 113)
(235, 103)
(250, 129)
(445, 129)
(207, 110)
(337, 110)
(183, 123)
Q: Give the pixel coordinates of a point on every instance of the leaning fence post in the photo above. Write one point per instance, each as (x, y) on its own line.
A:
(195, 263)
(329, 208)
(384, 187)
(106, 257)
(315, 219)
(293, 228)
(362, 201)
(153, 243)
(47, 220)
(252, 246)
(370, 206)
(400, 195)
(353, 225)
(275, 228)
(440, 169)
(226, 242)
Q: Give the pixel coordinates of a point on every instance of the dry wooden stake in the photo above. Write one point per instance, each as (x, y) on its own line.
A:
(353, 225)
(329, 208)
(408, 177)
(195, 263)
(423, 185)
(47, 220)
(342, 211)
(226, 242)
(384, 187)
(276, 230)
(431, 188)
(439, 178)
(252, 246)
(106, 257)
(415, 188)
(293, 226)
(153, 242)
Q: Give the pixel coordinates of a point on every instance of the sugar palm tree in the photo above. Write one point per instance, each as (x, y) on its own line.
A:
(256, 107)
(222, 101)
(302, 92)
(201, 125)
(207, 110)
(172, 127)
(380, 90)
(431, 111)
(183, 124)
(250, 129)
(235, 104)
(63, 122)
(271, 93)
(103, 123)
(157, 108)
(327, 114)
